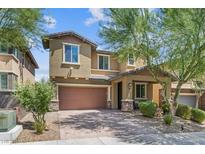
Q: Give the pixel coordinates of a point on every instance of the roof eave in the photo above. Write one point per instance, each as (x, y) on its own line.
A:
(33, 59)
(46, 38)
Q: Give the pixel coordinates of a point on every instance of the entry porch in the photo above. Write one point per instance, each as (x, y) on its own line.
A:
(129, 88)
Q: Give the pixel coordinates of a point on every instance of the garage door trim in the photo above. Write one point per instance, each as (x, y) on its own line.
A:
(82, 85)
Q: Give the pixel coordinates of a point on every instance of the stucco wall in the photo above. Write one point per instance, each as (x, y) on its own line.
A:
(114, 65)
(9, 63)
(80, 81)
(57, 68)
(28, 76)
(125, 67)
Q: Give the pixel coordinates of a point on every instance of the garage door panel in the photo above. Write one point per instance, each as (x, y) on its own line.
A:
(82, 98)
(189, 100)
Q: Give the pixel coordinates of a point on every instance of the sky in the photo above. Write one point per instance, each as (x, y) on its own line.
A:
(82, 21)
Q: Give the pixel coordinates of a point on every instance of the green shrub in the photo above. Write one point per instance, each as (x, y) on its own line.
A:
(166, 108)
(168, 119)
(184, 111)
(36, 98)
(198, 115)
(148, 108)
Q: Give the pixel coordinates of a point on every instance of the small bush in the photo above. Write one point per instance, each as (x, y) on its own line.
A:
(166, 108)
(198, 115)
(168, 119)
(184, 111)
(36, 98)
(148, 108)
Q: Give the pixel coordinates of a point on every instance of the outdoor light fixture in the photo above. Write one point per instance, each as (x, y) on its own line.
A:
(70, 71)
(129, 85)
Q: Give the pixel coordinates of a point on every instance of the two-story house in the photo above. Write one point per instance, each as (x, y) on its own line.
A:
(87, 78)
(15, 67)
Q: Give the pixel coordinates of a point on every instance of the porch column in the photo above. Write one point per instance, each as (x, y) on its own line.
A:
(109, 101)
(114, 95)
(127, 101)
(57, 92)
(55, 101)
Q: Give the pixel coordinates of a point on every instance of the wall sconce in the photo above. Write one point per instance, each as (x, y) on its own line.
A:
(69, 72)
(129, 85)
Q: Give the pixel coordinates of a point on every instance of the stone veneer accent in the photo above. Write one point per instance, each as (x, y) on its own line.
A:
(127, 105)
(109, 104)
(54, 106)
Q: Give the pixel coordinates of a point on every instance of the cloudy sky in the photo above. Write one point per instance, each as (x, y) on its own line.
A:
(83, 21)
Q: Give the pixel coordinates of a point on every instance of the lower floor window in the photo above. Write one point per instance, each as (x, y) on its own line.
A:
(7, 81)
(140, 90)
(3, 81)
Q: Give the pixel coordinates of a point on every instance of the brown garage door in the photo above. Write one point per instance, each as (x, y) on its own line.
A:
(75, 98)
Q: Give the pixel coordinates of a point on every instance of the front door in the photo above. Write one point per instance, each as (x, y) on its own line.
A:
(119, 94)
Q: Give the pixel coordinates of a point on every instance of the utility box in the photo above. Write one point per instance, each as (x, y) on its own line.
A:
(7, 120)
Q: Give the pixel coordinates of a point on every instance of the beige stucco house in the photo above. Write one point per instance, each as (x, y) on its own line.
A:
(15, 67)
(87, 78)
(189, 96)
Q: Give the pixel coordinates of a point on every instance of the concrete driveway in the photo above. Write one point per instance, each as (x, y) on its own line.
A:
(126, 128)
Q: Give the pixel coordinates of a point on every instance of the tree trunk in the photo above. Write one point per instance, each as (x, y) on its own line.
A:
(177, 91)
(197, 101)
(173, 104)
(164, 92)
(199, 95)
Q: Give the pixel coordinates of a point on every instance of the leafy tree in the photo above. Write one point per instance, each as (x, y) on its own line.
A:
(35, 98)
(167, 39)
(21, 27)
(199, 88)
(184, 39)
(137, 32)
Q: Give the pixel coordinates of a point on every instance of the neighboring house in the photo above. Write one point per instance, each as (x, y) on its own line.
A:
(87, 78)
(189, 96)
(15, 67)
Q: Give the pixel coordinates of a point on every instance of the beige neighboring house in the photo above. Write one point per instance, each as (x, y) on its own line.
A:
(15, 67)
(189, 96)
(87, 78)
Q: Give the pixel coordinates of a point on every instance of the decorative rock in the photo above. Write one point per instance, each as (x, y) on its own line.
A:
(127, 105)
(54, 106)
(159, 113)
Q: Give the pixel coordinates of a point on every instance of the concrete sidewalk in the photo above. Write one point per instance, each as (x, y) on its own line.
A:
(80, 141)
(195, 138)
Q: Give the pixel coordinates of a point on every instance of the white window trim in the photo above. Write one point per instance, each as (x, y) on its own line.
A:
(108, 61)
(7, 82)
(141, 83)
(71, 54)
(128, 62)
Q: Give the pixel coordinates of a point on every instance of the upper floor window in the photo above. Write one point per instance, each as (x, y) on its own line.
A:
(103, 62)
(3, 48)
(71, 53)
(15, 52)
(141, 90)
(131, 60)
